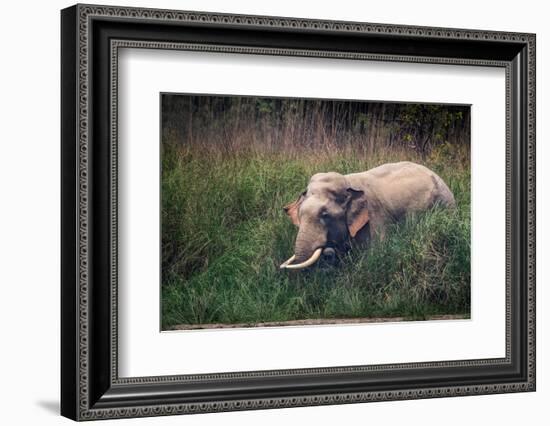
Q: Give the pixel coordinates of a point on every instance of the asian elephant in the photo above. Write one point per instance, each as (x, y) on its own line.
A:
(336, 209)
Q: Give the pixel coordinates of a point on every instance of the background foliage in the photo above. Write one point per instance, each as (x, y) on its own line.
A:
(229, 164)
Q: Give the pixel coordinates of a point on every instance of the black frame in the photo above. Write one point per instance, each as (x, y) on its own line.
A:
(90, 387)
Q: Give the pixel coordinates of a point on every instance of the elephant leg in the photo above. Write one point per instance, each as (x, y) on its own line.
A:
(378, 230)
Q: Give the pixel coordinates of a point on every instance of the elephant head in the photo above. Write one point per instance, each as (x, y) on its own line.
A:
(328, 215)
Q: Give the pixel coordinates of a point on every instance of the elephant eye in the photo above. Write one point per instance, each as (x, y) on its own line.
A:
(324, 214)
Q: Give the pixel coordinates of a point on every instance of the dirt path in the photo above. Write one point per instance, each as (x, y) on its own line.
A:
(312, 322)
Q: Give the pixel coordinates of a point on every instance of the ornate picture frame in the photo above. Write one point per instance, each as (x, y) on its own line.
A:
(90, 39)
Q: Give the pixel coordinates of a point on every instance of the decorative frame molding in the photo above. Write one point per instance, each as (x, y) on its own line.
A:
(91, 37)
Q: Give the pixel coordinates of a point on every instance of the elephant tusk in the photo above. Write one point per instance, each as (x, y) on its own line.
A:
(290, 260)
(314, 257)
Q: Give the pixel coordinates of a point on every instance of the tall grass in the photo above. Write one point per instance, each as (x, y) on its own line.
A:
(224, 233)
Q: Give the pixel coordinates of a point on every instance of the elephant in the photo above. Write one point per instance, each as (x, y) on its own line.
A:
(336, 211)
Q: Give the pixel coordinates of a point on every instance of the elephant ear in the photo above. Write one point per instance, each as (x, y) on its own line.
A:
(292, 209)
(357, 213)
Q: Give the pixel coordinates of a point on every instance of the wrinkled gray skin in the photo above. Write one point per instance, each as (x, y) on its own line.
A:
(336, 209)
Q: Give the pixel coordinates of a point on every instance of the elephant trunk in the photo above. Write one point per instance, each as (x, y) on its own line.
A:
(307, 250)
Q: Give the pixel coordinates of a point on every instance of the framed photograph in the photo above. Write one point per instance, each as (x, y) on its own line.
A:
(263, 212)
